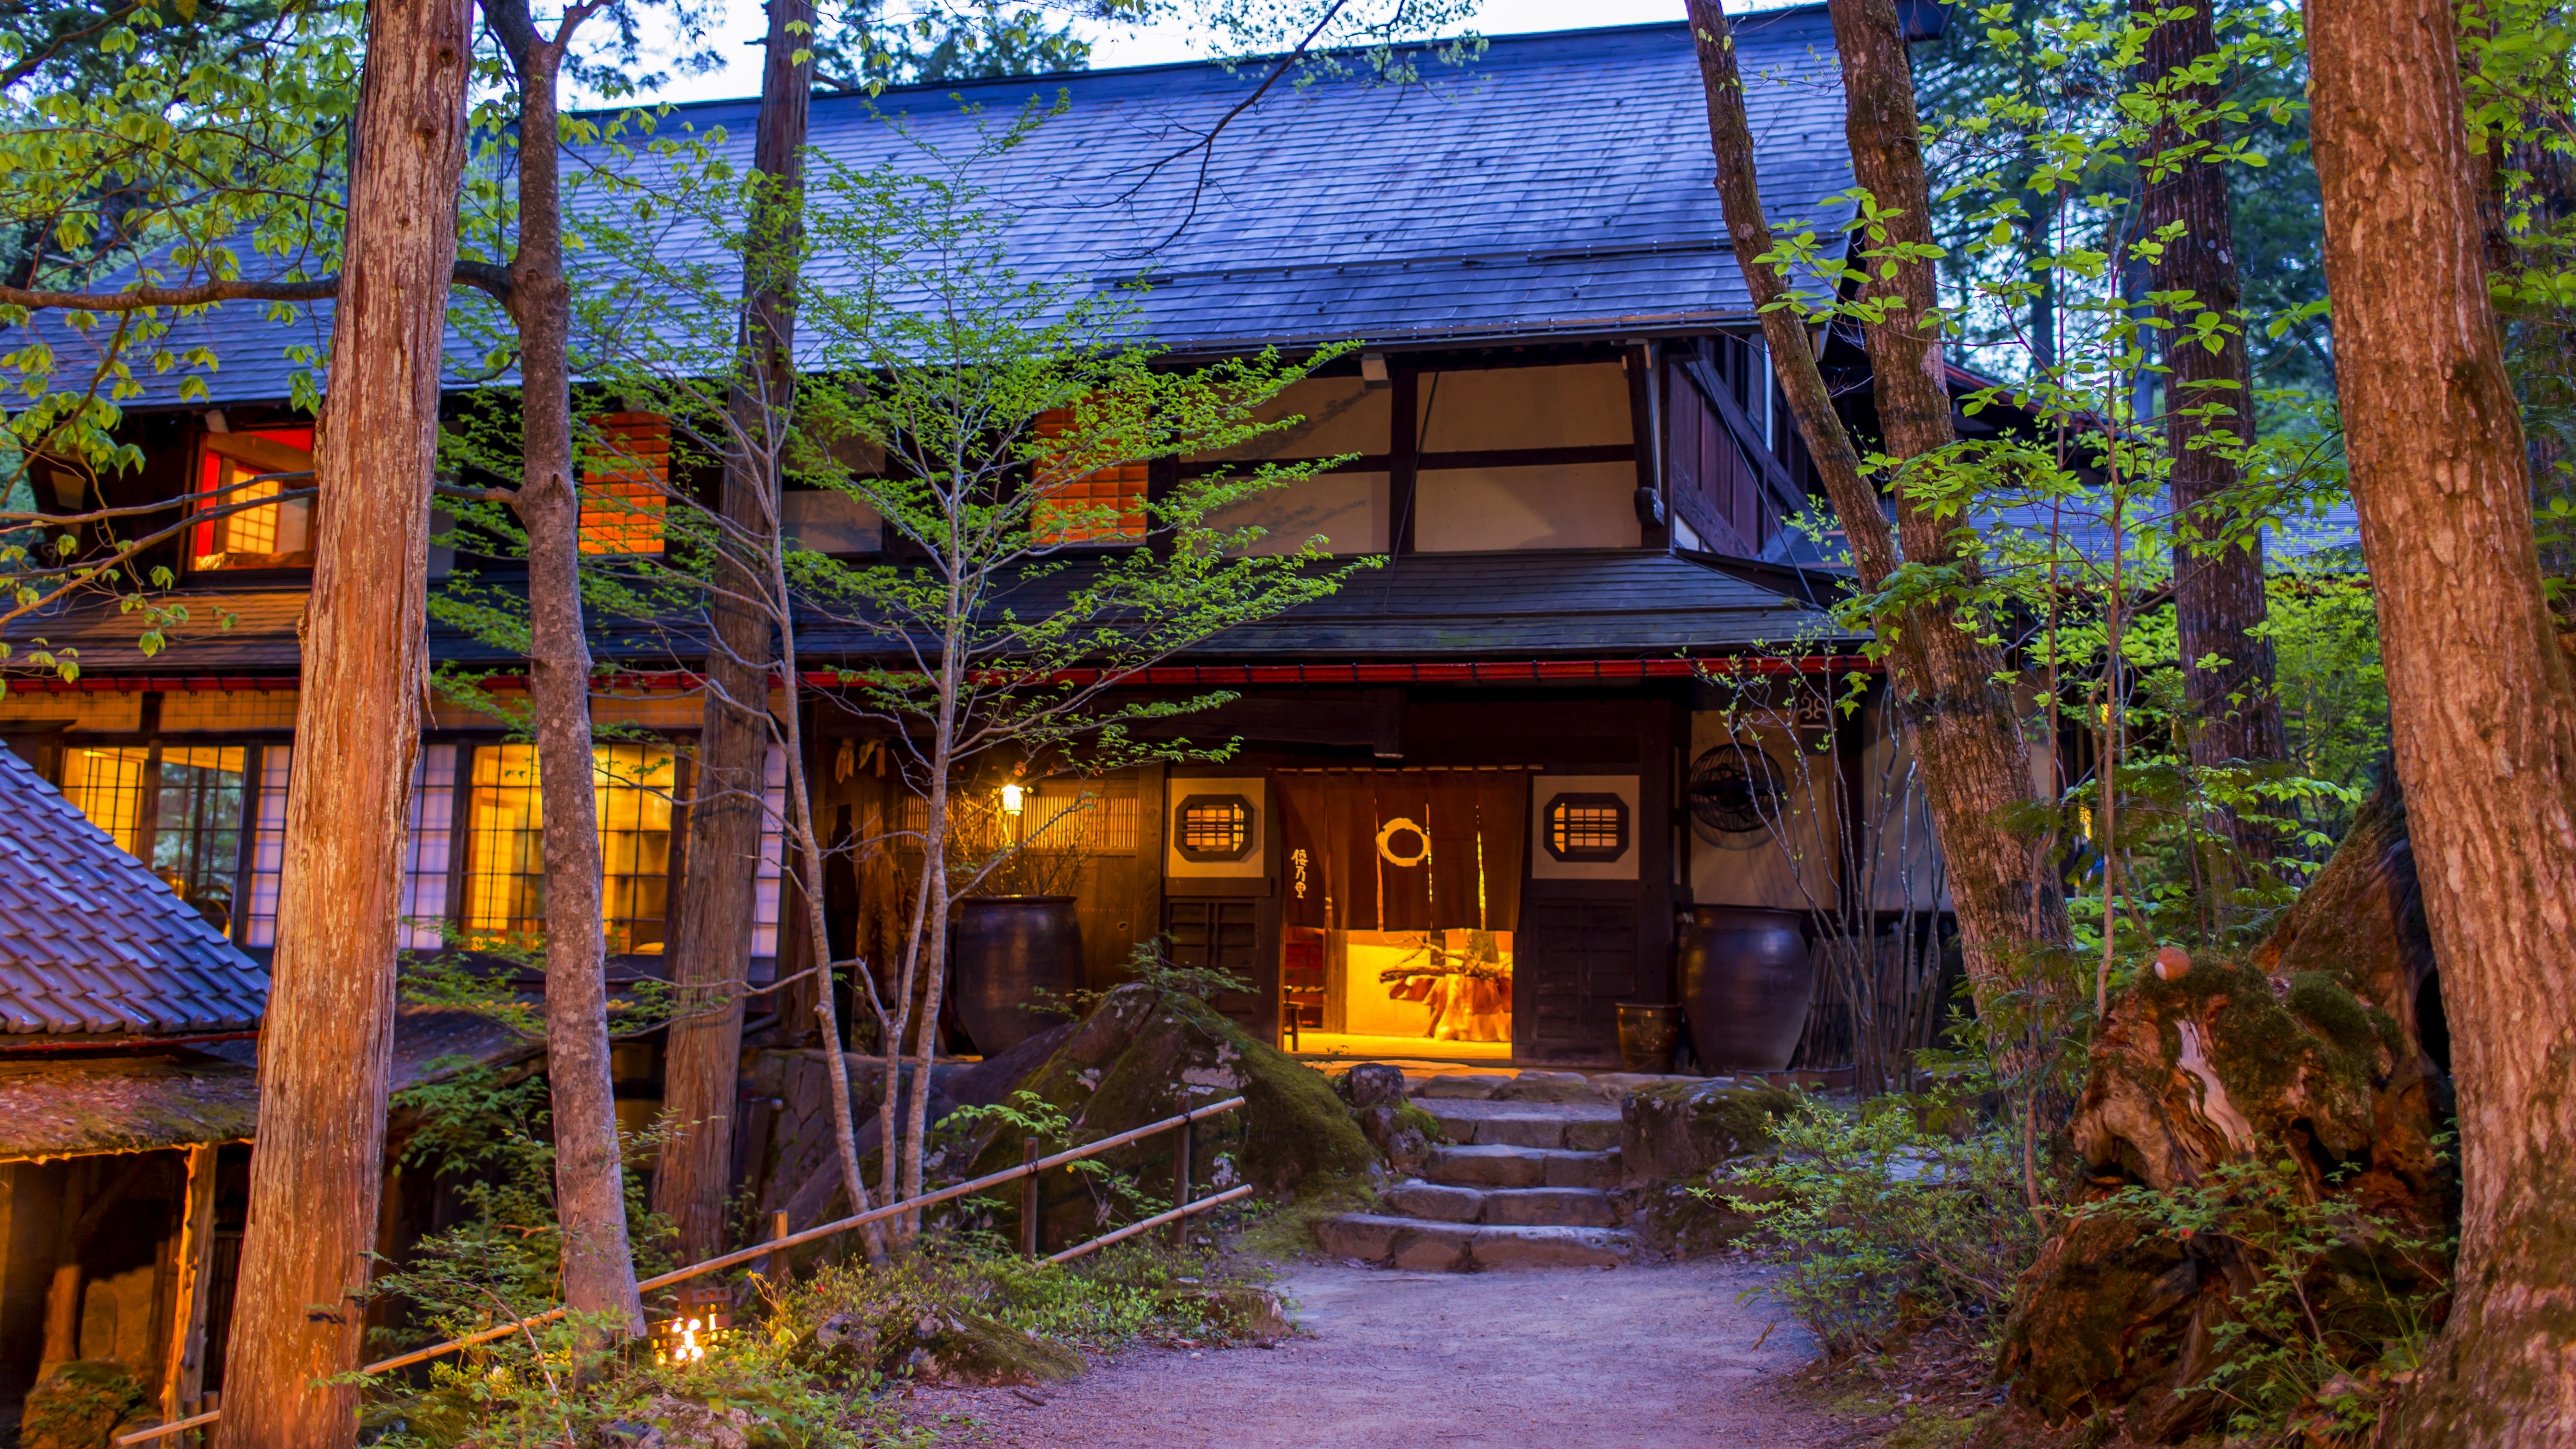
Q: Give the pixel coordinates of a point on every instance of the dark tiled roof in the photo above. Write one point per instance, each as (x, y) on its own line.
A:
(86, 1105)
(93, 943)
(1559, 185)
(1596, 602)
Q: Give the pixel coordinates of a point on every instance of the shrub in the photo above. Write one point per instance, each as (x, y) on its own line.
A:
(1877, 1226)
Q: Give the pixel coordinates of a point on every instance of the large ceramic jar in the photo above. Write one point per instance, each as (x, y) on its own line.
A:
(1010, 948)
(1746, 982)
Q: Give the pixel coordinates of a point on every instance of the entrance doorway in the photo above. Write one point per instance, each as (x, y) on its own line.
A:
(1400, 891)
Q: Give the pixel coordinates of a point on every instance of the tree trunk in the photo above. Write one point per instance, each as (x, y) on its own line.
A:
(1975, 764)
(590, 1201)
(2479, 698)
(712, 949)
(317, 1174)
(2218, 593)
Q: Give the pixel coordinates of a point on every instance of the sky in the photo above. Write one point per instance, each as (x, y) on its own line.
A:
(1157, 45)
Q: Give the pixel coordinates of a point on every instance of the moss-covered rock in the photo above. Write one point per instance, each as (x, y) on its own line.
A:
(80, 1405)
(1680, 1130)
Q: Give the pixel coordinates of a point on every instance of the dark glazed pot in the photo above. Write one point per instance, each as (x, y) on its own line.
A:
(1647, 1036)
(1746, 981)
(1009, 948)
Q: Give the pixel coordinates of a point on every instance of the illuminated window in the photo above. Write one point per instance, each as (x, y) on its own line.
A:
(427, 846)
(264, 535)
(268, 846)
(196, 828)
(1104, 505)
(765, 893)
(505, 882)
(634, 844)
(107, 786)
(178, 809)
(625, 482)
(1587, 827)
(1212, 827)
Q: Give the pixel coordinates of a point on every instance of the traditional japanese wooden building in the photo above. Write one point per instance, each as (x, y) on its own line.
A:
(1569, 449)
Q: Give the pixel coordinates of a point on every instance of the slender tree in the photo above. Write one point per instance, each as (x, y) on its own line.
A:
(326, 1062)
(1960, 720)
(2481, 704)
(590, 1202)
(712, 945)
(2219, 606)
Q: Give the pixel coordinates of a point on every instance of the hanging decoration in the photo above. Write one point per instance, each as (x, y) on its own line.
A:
(1389, 851)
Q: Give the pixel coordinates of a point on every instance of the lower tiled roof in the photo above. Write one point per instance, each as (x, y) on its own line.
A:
(93, 943)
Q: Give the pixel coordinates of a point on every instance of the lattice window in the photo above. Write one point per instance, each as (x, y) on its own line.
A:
(1587, 827)
(505, 883)
(765, 882)
(108, 785)
(625, 483)
(266, 536)
(196, 828)
(1212, 827)
(268, 846)
(1105, 505)
(429, 848)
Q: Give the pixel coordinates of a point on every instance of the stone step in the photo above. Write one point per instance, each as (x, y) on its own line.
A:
(1581, 1126)
(1507, 1166)
(1426, 1246)
(1528, 1207)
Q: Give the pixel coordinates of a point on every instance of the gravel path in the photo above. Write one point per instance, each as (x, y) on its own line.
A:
(1636, 1358)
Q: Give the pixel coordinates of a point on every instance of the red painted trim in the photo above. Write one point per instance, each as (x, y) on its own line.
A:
(1471, 671)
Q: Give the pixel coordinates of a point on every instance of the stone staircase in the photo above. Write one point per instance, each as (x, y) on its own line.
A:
(1527, 1184)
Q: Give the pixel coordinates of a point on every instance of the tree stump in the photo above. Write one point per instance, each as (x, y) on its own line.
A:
(2323, 1048)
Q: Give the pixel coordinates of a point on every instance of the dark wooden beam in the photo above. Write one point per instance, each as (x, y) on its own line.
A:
(1403, 461)
(1654, 527)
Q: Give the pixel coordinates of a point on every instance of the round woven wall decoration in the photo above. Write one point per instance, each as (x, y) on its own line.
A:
(1386, 849)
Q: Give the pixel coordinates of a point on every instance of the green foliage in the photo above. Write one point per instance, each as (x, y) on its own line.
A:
(2325, 1289)
(1877, 1226)
(550, 1388)
(482, 1129)
(1149, 962)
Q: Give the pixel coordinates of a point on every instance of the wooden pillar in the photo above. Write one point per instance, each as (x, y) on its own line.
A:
(184, 1383)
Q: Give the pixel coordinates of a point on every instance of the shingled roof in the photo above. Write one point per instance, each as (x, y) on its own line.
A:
(1558, 185)
(92, 943)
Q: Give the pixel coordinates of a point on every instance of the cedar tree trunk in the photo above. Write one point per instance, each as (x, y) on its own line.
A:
(590, 1201)
(1975, 763)
(2218, 595)
(2480, 701)
(327, 1057)
(711, 951)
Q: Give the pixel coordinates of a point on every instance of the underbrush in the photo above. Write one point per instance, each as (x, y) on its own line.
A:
(1878, 1228)
(805, 1365)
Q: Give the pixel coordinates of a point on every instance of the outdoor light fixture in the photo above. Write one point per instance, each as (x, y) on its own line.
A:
(1013, 797)
(686, 1339)
(1373, 369)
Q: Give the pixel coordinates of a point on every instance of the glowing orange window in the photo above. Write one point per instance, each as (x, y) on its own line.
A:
(236, 469)
(1105, 505)
(625, 483)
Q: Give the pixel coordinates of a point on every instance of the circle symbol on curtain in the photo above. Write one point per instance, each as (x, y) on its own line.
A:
(1387, 847)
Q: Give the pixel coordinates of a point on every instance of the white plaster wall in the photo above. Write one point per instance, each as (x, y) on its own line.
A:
(1347, 509)
(1340, 415)
(1585, 505)
(1575, 406)
(1792, 866)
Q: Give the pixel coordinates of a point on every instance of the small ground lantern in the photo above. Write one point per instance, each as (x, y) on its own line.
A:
(701, 1320)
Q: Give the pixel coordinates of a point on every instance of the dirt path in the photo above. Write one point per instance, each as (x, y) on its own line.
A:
(1638, 1358)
